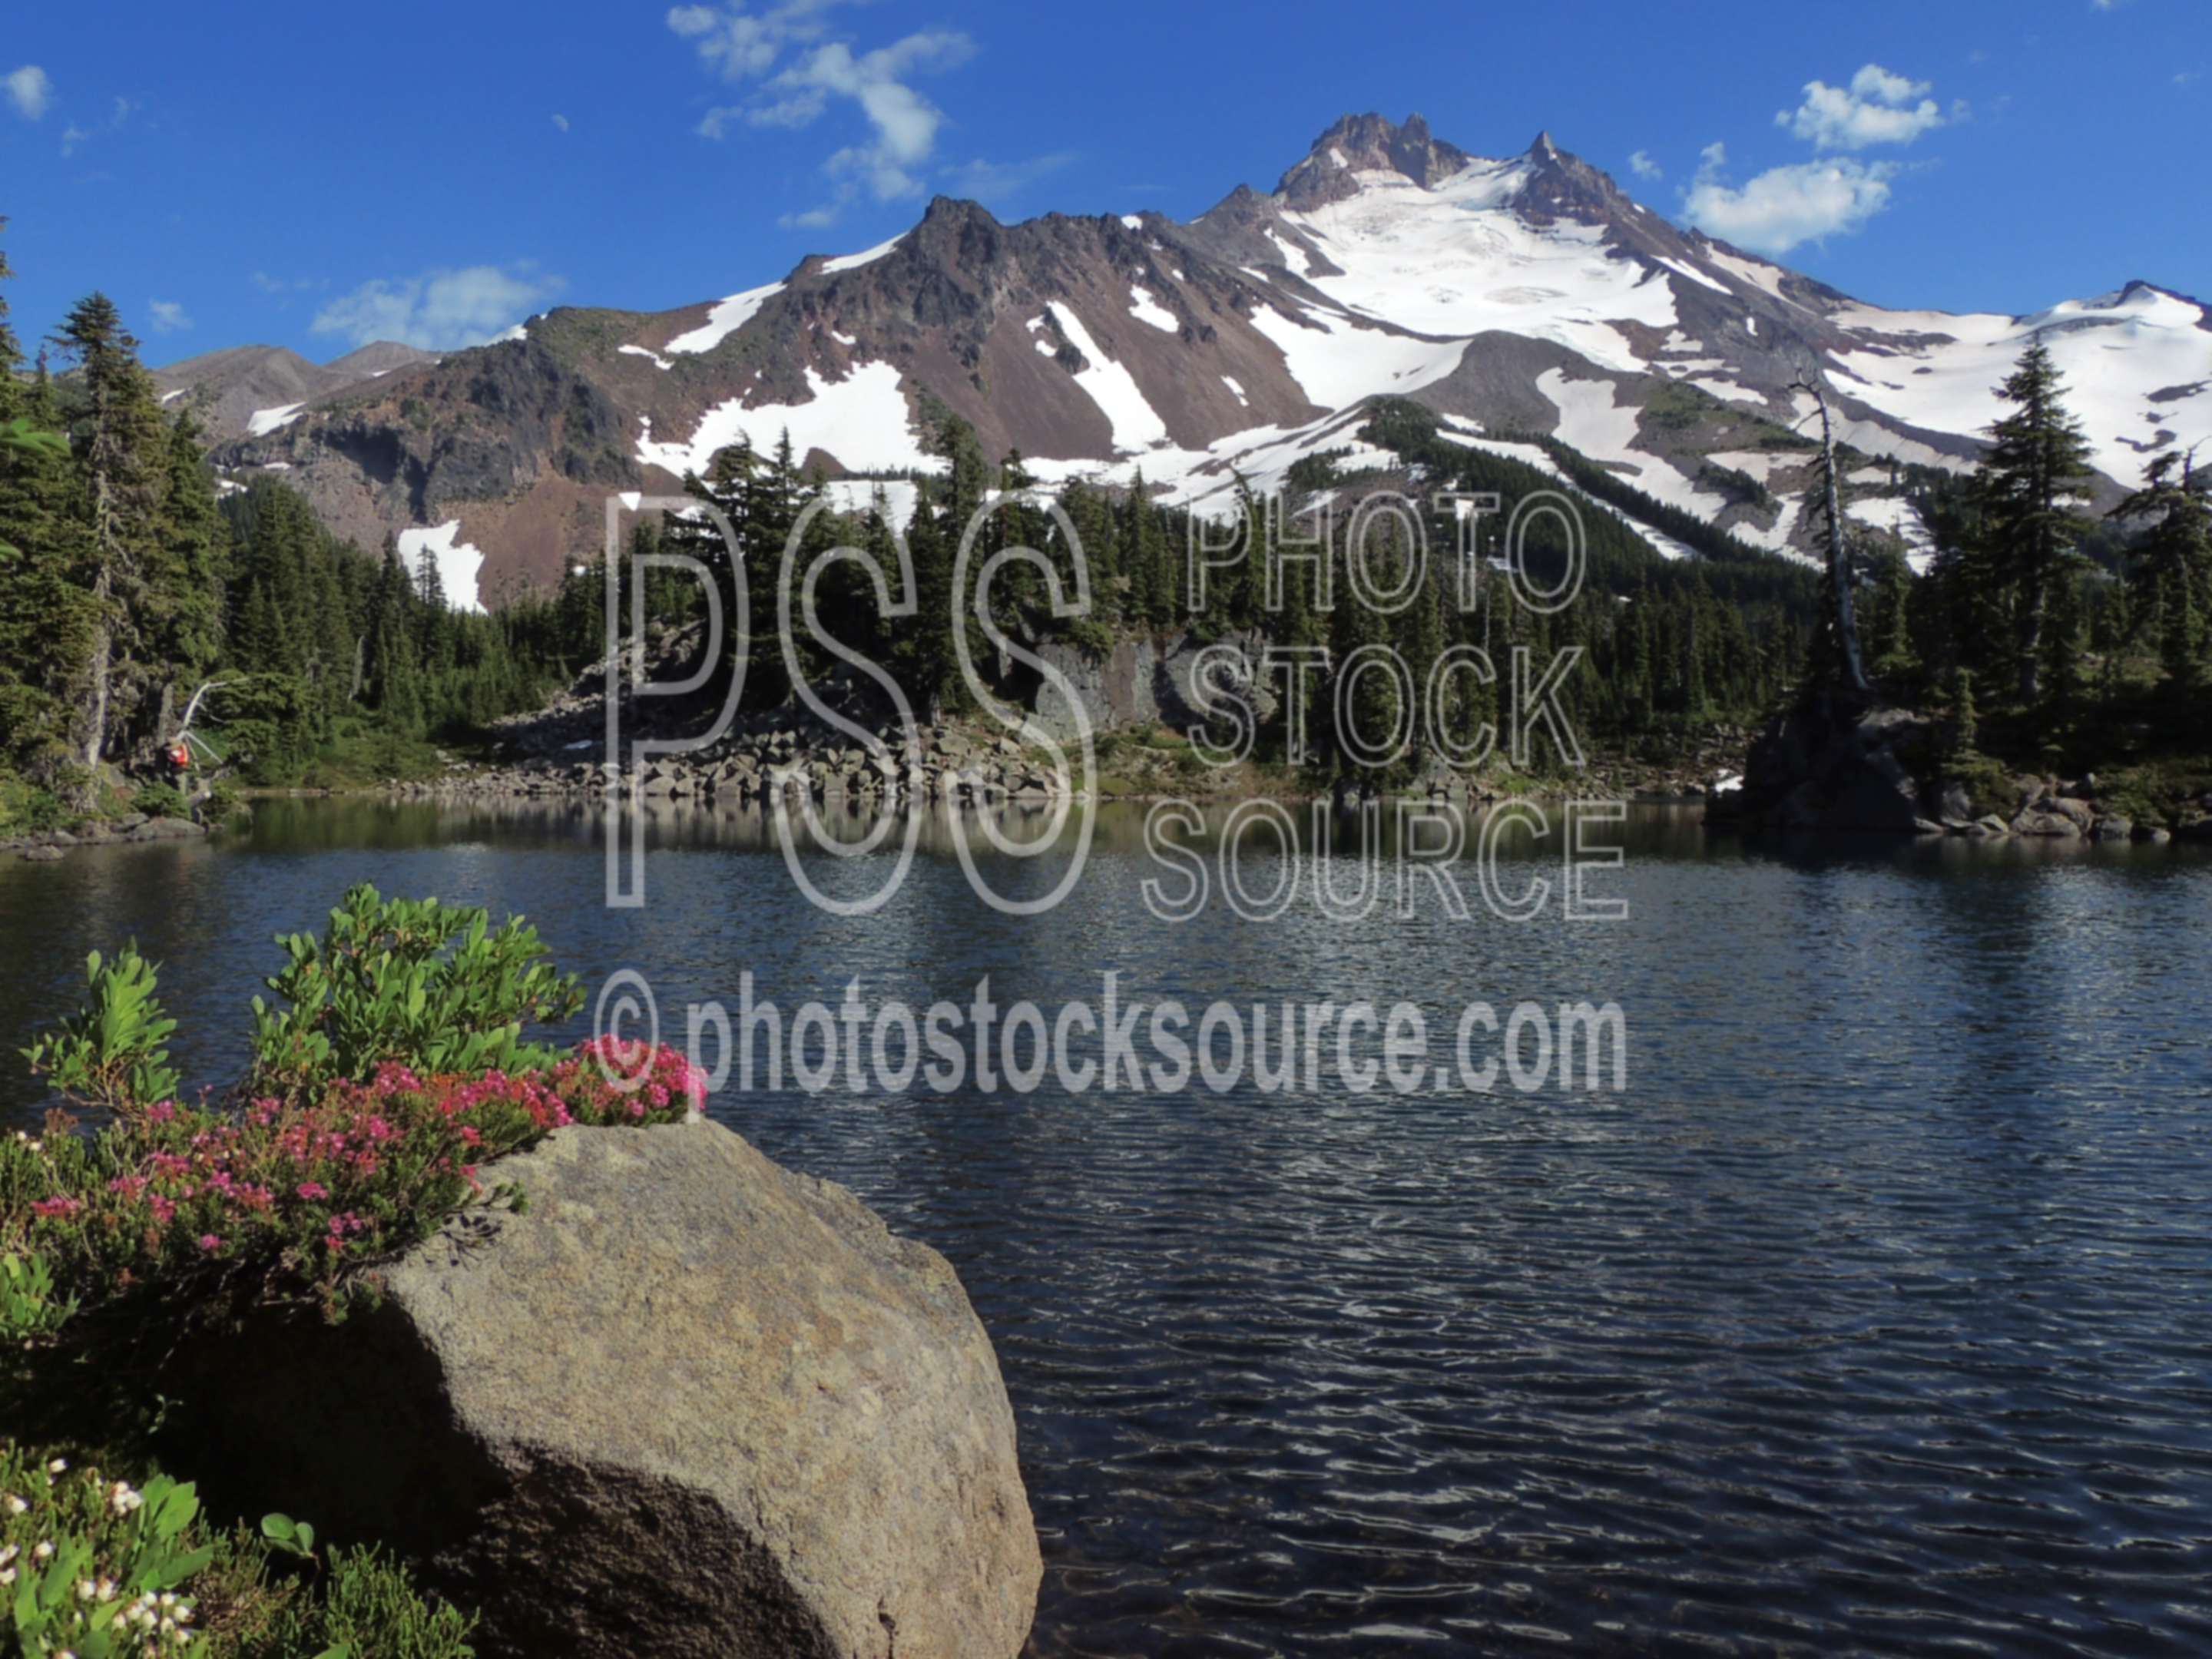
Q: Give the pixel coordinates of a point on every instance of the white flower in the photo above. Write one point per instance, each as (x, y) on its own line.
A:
(8, 1554)
(7, 1576)
(85, 1590)
(41, 1550)
(59, 1466)
(15, 1505)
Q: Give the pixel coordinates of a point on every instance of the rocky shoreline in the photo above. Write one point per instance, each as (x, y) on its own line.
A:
(1841, 764)
(45, 846)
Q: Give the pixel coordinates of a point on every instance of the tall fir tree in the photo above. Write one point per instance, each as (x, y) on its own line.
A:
(122, 463)
(2031, 484)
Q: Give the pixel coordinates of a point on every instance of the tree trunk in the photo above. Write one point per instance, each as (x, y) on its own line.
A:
(1840, 575)
(2031, 646)
(103, 648)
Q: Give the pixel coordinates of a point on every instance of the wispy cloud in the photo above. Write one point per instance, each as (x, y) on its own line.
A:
(167, 316)
(119, 116)
(795, 74)
(269, 284)
(1644, 166)
(1878, 107)
(440, 310)
(562, 122)
(30, 90)
(999, 181)
(1785, 207)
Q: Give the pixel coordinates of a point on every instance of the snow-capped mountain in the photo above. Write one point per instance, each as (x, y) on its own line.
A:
(1516, 297)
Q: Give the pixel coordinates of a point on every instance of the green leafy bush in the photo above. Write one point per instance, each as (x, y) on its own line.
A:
(113, 1053)
(29, 1308)
(429, 985)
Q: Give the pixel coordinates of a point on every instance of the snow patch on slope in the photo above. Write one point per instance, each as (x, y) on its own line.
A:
(854, 261)
(1146, 309)
(1337, 362)
(862, 420)
(1937, 371)
(1112, 387)
(1456, 261)
(263, 422)
(458, 561)
(857, 496)
(1593, 421)
(727, 317)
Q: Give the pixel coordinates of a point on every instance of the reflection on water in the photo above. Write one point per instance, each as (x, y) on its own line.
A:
(1874, 1317)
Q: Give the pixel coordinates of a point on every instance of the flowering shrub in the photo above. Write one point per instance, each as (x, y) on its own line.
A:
(376, 1099)
(310, 1187)
(90, 1567)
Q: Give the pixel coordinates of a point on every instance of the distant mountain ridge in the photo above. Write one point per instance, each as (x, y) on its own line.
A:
(226, 389)
(1522, 296)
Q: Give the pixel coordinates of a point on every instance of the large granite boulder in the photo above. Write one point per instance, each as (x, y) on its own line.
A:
(685, 1403)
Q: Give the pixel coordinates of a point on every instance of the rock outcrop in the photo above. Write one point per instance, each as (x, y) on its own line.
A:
(1839, 763)
(685, 1403)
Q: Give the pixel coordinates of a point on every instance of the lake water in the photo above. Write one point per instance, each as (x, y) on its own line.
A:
(1874, 1315)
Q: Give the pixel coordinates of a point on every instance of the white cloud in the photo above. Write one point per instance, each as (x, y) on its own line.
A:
(168, 316)
(1878, 107)
(562, 122)
(441, 310)
(1785, 206)
(30, 90)
(795, 91)
(1644, 166)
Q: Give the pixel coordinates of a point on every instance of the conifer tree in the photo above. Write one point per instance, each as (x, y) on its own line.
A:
(46, 620)
(2171, 574)
(121, 461)
(2031, 484)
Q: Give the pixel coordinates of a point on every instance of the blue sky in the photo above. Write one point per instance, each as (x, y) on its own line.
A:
(322, 176)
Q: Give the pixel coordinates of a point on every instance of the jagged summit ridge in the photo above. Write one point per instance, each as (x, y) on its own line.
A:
(1369, 143)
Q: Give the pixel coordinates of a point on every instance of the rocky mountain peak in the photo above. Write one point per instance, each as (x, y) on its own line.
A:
(1369, 143)
(1560, 186)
